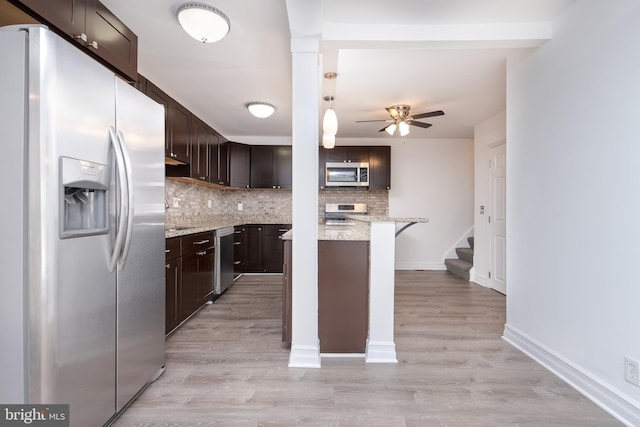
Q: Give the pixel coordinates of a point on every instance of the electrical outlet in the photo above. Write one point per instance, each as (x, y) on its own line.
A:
(632, 371)
(239, 206)
(176, 202)
(209, 203)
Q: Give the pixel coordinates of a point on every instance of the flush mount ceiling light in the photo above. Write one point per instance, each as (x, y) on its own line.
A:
(203, 22)
(261, 110)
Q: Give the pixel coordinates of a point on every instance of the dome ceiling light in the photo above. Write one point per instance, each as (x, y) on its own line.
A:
(261, 110)
(203, 22)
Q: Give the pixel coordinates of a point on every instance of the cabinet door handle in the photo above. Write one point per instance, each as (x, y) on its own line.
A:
(201, 242)
(167, 266)
(237, 243)
(93, 44)
(166, 251)
(283, 229)
(81, 36)
(201, 253)
(237, 262)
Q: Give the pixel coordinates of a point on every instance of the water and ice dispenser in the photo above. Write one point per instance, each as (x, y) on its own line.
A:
(83, 198)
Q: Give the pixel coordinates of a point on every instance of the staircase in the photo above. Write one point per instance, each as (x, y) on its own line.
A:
(460, 266)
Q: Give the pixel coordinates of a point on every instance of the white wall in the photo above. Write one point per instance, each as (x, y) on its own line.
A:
(431, 178)
(573, 200)
(492, 130)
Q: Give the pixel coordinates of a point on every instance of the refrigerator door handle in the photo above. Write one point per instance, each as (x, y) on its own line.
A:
(124, 199)
(130, 194)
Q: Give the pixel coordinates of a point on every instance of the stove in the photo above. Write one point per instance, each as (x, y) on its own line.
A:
(335, 213)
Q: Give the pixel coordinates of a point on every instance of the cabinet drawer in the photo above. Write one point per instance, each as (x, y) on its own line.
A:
(172, 248)
(197, 242)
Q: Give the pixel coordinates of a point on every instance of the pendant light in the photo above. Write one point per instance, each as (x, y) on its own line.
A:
(203, 22)
(328, 141)
(330, 119)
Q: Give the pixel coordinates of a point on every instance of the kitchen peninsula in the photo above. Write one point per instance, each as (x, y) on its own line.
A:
(355, 286)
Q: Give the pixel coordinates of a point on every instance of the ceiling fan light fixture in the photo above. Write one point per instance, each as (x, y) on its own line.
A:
(261, 110)
(391, 129)
(403, 127)
(328, 141)
(330, 122)
(203, 22)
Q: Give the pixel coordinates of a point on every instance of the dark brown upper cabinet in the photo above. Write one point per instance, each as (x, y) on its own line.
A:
(180, 132)
(380, 167)
(239, 165)
(92, 26)
(283, 164)
(346, 154)
(378, 157)
(112, 41)
(177, 142)
(271, 166)
(199, 150)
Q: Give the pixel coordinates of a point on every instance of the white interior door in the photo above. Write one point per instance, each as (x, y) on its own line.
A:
(497, 219)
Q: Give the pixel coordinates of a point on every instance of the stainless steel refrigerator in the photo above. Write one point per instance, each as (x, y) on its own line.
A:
(82, 217)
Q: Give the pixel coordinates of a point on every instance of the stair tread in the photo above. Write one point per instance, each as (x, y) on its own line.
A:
(460, 263)
(465, 254)
(458, 267)
(470, 240)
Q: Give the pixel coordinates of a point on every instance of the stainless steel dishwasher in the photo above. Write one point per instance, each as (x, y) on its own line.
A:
(224, 259)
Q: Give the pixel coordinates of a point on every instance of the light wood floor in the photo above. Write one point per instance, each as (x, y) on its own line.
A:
(226, 367)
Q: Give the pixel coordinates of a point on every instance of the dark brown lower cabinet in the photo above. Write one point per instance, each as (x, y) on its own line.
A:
(190, 269)
(197, 279)
(272, 247)
(286, 296)
(259, 248)
(173, 266)
(343, 296)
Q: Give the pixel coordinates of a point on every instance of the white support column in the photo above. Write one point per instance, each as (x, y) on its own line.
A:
(380, 345)
(305, 347)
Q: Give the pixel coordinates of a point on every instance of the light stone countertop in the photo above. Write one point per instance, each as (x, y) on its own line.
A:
(358, 231)
(370, 218)
(192, 225)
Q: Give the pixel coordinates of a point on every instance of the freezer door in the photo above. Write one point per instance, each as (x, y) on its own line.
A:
(141, 276)
(13, 51)
(72, 293)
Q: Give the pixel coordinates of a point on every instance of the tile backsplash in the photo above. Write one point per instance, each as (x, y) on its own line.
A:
(193, 201)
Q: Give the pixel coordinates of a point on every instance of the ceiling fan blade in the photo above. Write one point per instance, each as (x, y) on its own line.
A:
(394, 113)
(367, 121)
(430, 114)
(420, 124)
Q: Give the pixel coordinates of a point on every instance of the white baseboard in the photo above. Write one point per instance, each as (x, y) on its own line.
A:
(304, 356)
(420, 266)
(381, 352)
(615, 403)
(480, 279)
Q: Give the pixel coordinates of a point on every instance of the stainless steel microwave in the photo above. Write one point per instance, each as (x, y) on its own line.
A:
(347, 174)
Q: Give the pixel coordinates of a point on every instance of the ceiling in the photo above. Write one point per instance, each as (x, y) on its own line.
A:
(431, 54)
